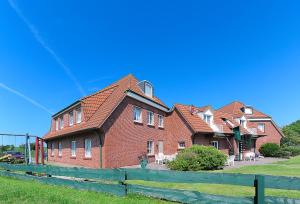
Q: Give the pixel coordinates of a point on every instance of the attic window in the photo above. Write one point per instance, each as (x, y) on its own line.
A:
(148, 90)
(248, 110)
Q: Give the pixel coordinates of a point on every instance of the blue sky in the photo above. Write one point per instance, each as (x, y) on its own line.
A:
(200, 53)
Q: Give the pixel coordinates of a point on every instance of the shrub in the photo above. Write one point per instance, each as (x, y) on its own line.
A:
(283, 154)
(269, 149)
(198, 158)
(294, 150)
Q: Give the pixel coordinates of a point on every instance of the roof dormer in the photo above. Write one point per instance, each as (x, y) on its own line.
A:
(146, 87)
(247, 110)
(207, 116)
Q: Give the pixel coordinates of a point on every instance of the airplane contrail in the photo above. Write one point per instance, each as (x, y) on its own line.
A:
(43, 43)
(30, 100)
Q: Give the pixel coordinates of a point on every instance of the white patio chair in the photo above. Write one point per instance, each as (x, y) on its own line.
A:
(230, 160)
(159, 158)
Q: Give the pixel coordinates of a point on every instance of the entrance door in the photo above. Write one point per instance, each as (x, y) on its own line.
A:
(160, 147)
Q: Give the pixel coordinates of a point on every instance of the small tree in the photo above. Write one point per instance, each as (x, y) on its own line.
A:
(197, 158)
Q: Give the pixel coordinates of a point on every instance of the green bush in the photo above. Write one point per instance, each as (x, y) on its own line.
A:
(283, 154)
(294, 150)
(197, 158)
(269, 149)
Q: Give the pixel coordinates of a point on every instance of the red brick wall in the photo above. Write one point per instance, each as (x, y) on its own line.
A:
(273, 135)
(177, 131)
(203, 139)
(80, 159)
(125, 140)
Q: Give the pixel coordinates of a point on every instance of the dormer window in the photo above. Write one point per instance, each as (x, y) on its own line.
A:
(243, 122)
(146, 87)
(56, 124)
(207, 118)
(148, 90)
(248, 110)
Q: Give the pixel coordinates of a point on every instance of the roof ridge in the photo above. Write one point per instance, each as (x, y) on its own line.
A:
(102, 90)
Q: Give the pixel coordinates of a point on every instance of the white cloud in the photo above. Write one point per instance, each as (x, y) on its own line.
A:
(42, 42)
(30, 100)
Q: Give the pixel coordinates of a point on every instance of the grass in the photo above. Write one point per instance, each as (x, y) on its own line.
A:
(290, 167)
(21, 191)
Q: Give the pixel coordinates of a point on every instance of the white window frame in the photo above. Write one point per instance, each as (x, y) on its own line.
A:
(78, 115)
(160, 121)
(150, 118)
(150, 147)
(73, 148)
(207, 118)
(215, 144)
(61, 122)
(137, 117)
(52, 149)
(71, 118)
(88, 148)
(180, 146)
(56, 124)
(148, 90)
(263, 129)
(59, 149)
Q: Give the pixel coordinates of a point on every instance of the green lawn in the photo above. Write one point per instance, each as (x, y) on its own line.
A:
(285, 168)
(21, 191)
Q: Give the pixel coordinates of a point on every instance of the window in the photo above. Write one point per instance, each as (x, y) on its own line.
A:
(160, 121)
(248, 110)
(56, 124)
(150, 116)
(61, 122)
(148, 90)
(137, 114)
(73, 148)
(88, 148)
(243, 123)
(71, 118)
(181, 145)
(207, 118)
(78, 115)
(215, 144)
(59, 149)
(52, 149)
(261, 127)
(150, 147)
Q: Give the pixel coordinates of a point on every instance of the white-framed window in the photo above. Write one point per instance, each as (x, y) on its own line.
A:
(137, 114)
(160, 121)
(52, 149)
(73, 148)
(150, 118)
(243, 123)
(181, 145)
(148, 90)
(207, 118)
(150, 147)
(261, 127)
(56, 124)
(88, 148)
(71, 118)
(59, 149)
(215, 144)
(78, 115)
(61, 123)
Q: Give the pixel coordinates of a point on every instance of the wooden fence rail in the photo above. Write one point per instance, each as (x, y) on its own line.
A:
(113, 181)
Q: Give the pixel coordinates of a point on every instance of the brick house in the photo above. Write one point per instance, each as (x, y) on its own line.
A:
(114, 126)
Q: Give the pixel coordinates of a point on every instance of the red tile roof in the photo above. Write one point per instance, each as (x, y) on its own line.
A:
(98, 106)
(235, 108)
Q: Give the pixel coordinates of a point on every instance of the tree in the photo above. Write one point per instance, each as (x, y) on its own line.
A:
(292, 134)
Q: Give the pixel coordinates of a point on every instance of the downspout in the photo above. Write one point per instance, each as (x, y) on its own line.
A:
(100, 149)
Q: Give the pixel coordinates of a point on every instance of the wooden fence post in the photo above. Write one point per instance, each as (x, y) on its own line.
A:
(259, 184)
